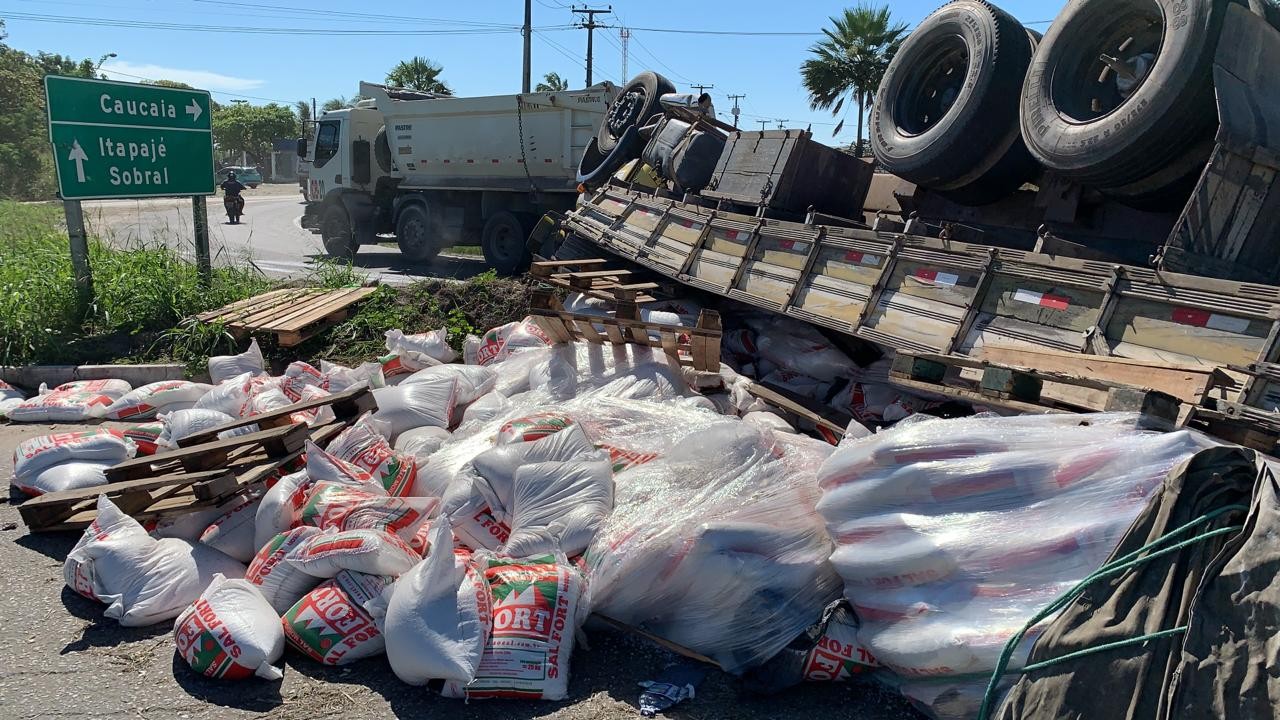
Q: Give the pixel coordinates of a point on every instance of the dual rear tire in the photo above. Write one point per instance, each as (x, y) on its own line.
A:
(1118, 96)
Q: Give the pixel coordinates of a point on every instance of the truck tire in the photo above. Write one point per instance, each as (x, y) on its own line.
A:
(382, 150)
(595, 168)
(635, 104)
(946, 113)
(1131, 137)
(416, 234)
(503, 243)
(336, 233)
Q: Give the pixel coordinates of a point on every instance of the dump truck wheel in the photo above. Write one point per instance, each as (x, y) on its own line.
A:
(503, 243)
(382, 150)
(635, 104)
(1120, 93)
(336, 233)
(946, 114)
(416, 235)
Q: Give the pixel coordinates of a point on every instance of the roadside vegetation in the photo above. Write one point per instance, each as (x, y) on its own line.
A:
(146, 294)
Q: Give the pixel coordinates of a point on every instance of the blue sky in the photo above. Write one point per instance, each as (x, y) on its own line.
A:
(477, 42)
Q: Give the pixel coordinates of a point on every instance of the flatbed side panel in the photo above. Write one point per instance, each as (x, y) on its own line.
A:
(924, 294)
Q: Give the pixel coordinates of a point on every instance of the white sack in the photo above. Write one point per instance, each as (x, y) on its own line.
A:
(438, 617)
(102, 445)
(142, 403)
(143, 582)
(70, 402)
(230, 633)
(225, 367)
(559, 506)
(422, 403)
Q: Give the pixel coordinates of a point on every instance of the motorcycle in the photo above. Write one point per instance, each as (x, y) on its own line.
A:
(234, 205)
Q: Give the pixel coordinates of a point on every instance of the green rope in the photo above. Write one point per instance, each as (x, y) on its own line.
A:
(1110, 569)
(1102, 648)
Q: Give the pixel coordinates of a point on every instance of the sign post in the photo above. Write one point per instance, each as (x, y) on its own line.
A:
(125, 140)
(79, 256)
(200, 216)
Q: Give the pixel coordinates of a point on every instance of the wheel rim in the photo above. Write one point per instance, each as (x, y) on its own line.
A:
(414, 234)
(1112, 57)
(928, 96)
(625, 111)
(506, 244)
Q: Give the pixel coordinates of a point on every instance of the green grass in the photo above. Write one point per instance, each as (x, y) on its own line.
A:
(140, 291)
(146, 292)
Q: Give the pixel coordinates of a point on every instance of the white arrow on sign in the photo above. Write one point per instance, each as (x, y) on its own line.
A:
(194, 110)
(78, 156)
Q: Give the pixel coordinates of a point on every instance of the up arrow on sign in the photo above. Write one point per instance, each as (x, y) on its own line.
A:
(78, 157)
(194, 110)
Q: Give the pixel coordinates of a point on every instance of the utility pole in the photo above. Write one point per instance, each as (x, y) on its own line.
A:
(703, 88)
(624, 34)
(782, 120)
(762, 124)
(735, 111)
(528, 46)
(590, 25)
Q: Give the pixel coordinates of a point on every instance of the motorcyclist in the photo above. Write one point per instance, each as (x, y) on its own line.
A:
(231, 189)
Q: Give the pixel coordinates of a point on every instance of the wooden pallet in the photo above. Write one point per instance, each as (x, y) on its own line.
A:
(1023, 390)
(293, 315)
(346, 405)
(593, 279)
(698, 346)
(203, 472)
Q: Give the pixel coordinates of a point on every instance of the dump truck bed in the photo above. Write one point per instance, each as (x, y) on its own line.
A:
(493, 142)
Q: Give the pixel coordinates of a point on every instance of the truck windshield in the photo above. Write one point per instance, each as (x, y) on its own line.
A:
(326, 142)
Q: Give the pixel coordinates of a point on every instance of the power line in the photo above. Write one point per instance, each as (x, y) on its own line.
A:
(753, 33)
(247, 30)
(560, 49)
(358, 15)
(675, 74)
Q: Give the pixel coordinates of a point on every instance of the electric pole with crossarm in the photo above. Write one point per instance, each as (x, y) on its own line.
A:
(590, 25)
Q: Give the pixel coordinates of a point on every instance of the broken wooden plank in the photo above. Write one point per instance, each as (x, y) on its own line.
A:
(795, 405)
(1187, 383)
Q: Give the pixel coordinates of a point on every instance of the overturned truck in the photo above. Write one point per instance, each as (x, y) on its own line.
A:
(1104, 190)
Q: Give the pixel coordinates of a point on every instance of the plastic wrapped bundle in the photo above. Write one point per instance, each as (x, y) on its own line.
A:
(951, 534)
(716, 545)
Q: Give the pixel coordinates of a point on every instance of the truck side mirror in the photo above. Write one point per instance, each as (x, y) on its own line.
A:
(302, 147)
(361, 173)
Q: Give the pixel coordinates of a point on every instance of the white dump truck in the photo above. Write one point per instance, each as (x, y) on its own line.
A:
(439, 171)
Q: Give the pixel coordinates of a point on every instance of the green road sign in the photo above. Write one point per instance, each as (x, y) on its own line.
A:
(124, 140)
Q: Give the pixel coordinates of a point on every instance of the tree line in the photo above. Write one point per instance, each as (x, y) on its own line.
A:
(844, 69)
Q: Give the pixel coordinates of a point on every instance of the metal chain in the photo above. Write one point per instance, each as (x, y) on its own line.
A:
(524, 159)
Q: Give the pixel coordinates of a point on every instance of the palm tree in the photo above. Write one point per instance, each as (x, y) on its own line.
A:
(303, 108)
(552, 82)
(851, 60)
(418, 73)
(341, 102)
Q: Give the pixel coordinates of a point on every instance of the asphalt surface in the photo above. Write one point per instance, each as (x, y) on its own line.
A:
(60, 658)
(270, 234)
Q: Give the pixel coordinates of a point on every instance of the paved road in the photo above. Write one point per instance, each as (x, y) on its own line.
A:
(270, 234)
